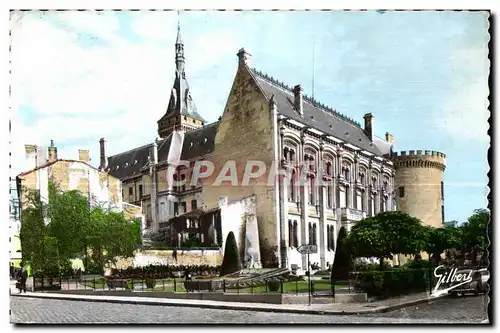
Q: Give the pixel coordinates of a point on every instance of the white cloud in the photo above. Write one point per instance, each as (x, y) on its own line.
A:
(465, 115)
(116, 88)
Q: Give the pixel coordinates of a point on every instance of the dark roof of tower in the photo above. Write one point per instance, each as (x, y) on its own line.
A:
(316, 115)
(181, 101)
(196, 143)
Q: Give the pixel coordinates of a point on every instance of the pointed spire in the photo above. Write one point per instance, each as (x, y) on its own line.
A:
(179, 50)
(179, 38)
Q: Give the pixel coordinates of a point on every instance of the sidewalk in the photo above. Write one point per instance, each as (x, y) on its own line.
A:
(320, 309)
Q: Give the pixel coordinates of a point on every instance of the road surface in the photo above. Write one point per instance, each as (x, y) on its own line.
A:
(471, 309)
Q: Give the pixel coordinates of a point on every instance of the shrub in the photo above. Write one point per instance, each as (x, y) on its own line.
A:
(342, 262)
(150, 283)
(274, 286)
(392, 282)
(231, 261)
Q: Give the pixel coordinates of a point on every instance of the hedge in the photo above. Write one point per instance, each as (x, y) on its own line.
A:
(396, 281)
(163, 271)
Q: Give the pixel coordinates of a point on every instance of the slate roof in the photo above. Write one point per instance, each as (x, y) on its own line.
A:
(382, 145)
(196, 143)
(316, 115)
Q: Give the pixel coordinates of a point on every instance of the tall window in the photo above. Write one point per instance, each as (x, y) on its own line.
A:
(442, 190)
(332, 238)
(442, 213)
(131, 191)
(346, 174)
(140, 192)
(162, 212)
(291, 186)
(312, 189)
(401, 192)
(290, 233)
(315, 236)
(176, 208)
(148, 215)
(184, 208)
(194, 204)
(329, 196)
(295, 234)
(328, 169)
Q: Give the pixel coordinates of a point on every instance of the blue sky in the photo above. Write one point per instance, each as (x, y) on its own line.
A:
(77, 77)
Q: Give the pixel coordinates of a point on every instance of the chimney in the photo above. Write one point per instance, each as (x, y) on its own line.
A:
(31, 156)
(83, 155)
(389, 138)
(245, 58)
(154, 152)
(369, 125)
(52, 152)
(103, 163)
(297, 92)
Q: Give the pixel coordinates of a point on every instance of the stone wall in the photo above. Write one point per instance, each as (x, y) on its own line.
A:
(245, 134)
(420, 178)
(165, 257)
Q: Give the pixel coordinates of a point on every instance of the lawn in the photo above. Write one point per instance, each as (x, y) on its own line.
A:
(292, 287)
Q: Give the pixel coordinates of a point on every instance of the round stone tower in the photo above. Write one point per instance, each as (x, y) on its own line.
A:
(418, 184)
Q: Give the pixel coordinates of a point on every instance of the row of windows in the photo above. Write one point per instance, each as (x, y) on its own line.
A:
(162, 212)
(293, 235)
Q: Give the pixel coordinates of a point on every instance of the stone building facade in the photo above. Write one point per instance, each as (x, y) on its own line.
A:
(419, 184)
(265, 124)
(102, 188)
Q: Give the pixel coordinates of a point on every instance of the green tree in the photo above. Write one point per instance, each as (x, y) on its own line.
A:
(440, 240)
(68, 214)
(386, 234)
(342, 262)
(475, 236)
(112, 237)
(67, 228)
(231, 261)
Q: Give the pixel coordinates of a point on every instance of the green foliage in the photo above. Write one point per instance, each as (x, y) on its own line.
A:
(475, 230)
(342, 263)
(386, 234)
(231, 261)
(193, 241)
(274, 286)
(74, 230)
(441, 239)
(162, 271)
(392, 282)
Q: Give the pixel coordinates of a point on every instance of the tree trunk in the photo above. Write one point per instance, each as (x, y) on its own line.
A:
(381, 262)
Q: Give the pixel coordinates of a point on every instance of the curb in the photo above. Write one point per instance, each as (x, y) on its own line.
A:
(380, 309)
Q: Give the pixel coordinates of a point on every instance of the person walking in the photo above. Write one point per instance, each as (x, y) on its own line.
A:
(12, 271)
(23, 278)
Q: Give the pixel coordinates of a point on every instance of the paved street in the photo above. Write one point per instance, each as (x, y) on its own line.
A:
(33, 310)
